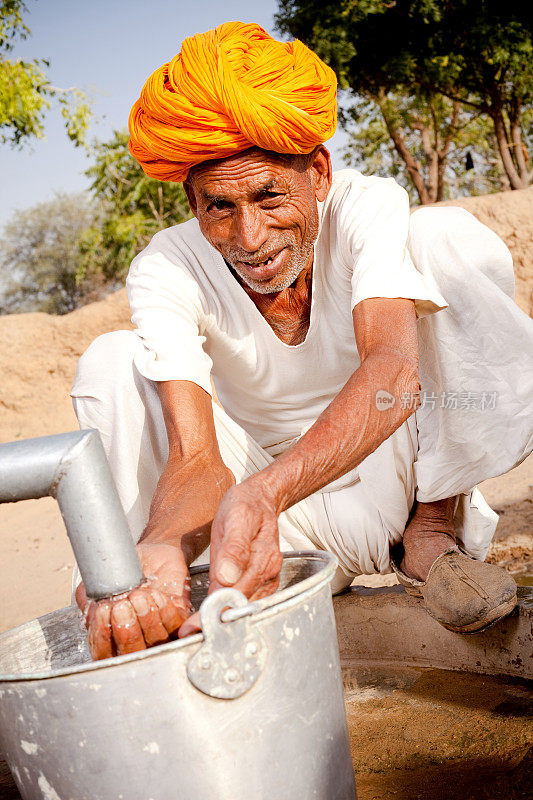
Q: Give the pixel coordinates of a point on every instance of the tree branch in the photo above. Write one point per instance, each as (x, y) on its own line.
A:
(484, 107)
(153, 209)
(503, 146)
(518, 145)
(403, 152)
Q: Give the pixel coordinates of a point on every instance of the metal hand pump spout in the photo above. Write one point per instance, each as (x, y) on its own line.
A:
(72, 467)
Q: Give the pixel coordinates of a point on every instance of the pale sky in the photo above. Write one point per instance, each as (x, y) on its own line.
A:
(108, 47)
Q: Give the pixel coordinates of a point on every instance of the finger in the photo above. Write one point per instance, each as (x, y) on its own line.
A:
(165, 568)
(254, 589)
(167, 580)
(268, 588)
(264, 567)
(127, 632)
(99, 630)
(144, 605)
(230, 551)
(190, 626)
(172, 612)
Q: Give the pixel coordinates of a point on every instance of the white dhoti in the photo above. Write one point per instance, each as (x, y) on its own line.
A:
(482, 343)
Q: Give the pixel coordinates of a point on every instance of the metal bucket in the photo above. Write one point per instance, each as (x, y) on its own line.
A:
(250, 709)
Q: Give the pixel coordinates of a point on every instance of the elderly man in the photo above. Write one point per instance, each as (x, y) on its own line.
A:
(320, 311)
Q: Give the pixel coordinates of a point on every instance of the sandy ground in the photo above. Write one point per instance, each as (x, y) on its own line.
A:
(446, 735)
(37, 365)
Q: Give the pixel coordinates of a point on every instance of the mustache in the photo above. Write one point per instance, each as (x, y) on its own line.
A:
(235, 254)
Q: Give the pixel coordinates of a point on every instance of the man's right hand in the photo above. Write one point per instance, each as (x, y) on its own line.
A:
(148, 615)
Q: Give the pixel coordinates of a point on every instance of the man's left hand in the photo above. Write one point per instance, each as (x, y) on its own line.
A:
(245, 550)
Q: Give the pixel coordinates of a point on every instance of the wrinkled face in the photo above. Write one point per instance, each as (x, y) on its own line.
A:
(260, 212)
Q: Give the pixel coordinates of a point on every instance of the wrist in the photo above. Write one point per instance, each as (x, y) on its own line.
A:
(186, 498)
(191, 543)
(160, 530)
(270, 487)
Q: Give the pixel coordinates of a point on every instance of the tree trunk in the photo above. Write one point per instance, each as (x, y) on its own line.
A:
(405, 155)
(432, 158)
(515, 180)
(519, 153)
(505, 186)
(441, 168)
(443, 151)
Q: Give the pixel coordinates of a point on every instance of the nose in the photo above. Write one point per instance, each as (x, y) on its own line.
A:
(250, 230)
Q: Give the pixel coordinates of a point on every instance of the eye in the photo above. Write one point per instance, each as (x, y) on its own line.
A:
(271, 198)
(218, 205)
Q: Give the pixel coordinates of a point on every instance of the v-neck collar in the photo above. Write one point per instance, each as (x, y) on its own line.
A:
(221, 264)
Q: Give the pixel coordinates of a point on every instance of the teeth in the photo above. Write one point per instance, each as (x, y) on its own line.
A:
(259, 263)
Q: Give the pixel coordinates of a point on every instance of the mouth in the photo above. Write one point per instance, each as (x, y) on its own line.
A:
(264, 270)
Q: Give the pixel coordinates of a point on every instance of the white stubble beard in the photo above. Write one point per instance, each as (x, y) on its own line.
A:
(284, 282)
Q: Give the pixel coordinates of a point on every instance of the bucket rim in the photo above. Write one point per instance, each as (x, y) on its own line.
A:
(260, 610)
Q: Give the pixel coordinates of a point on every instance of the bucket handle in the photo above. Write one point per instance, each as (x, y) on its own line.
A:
(232, 656)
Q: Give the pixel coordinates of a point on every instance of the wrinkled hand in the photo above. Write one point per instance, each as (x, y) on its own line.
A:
(146, 616)
(245, 550)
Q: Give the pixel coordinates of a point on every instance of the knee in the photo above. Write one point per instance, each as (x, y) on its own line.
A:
(436, 226)
(107, 362)
(456, 243)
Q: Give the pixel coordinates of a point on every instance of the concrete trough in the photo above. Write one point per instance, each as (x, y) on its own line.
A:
(387, 625)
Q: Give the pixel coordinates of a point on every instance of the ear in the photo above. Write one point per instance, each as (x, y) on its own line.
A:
(321, 172)
(191, 197)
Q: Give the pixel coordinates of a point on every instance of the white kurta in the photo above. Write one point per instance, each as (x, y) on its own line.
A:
(195, 322)
(198, 323)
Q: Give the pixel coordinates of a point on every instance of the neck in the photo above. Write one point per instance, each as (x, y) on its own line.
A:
(287, 312)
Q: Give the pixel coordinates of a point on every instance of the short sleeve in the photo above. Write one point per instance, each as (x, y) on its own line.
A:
(167, 313)
(372, 228)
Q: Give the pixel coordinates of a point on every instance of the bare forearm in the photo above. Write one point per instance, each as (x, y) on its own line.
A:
(348, 430)
(245, 547)
(186, 500)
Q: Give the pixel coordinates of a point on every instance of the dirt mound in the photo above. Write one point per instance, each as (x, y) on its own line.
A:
(38, 363)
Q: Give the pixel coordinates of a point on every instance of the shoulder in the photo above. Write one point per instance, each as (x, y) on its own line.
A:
(171, 263)
(352, 191)
(180, 249)
(364, 213)
(180, 243)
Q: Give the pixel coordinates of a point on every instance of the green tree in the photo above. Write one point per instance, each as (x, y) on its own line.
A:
(61, 254)
(132, 208)
(26, 94)
(434, 147)
(40, 257)
(478, 53)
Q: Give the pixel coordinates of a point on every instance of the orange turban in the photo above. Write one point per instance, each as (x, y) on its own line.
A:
(229, 89)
